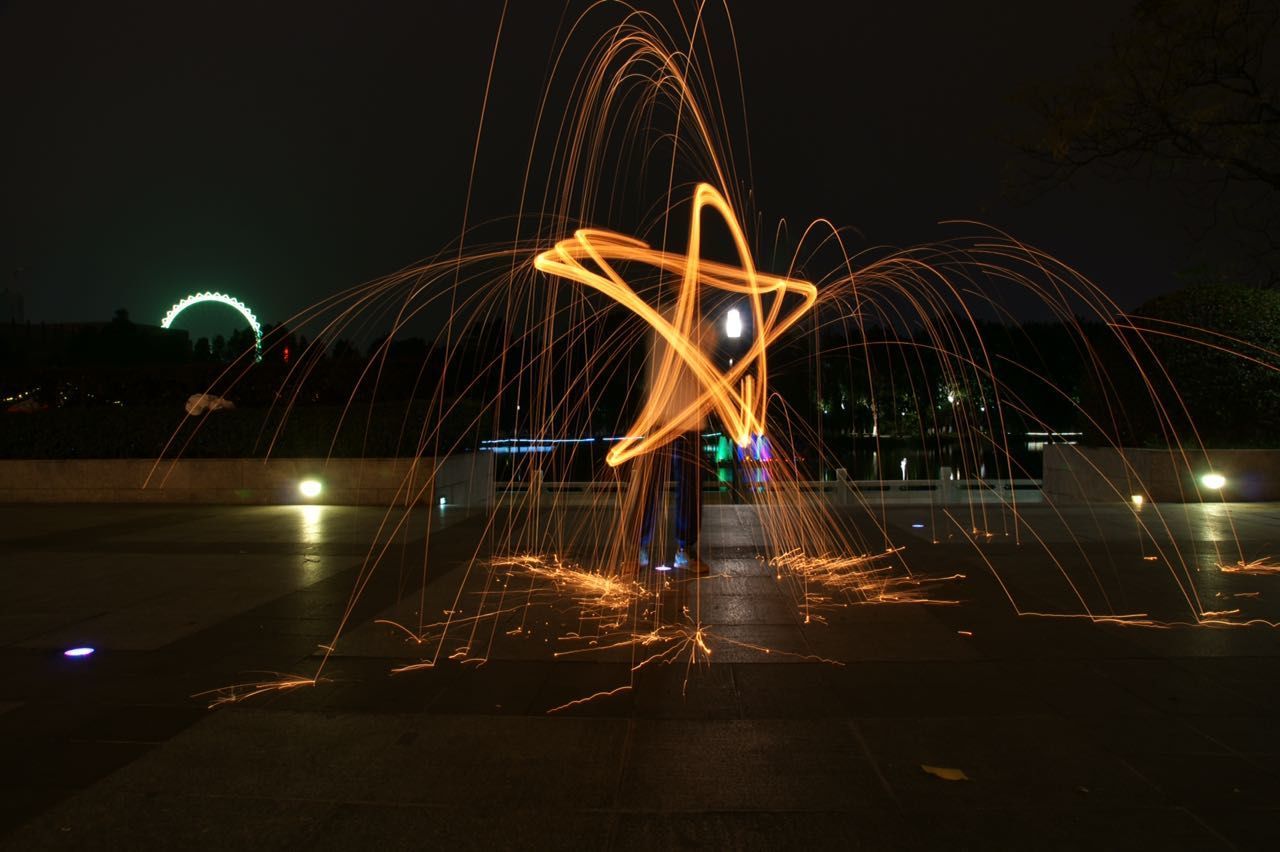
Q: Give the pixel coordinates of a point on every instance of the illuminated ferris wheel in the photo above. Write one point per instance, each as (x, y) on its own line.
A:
(222, 299)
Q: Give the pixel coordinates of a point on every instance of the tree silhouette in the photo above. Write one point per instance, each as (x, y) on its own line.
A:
(1188, 94)
(344, 350)
(1191, 343)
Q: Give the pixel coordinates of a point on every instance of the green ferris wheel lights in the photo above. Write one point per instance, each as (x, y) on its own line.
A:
(223, 299)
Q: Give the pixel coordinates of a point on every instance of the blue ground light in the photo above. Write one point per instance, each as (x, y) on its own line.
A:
(78, 652)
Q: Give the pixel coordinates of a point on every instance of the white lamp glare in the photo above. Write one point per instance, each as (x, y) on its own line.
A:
(309, 488)
(1213, 480)
(733, 324)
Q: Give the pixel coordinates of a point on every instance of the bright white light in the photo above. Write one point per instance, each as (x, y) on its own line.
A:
(442, 502)
(77, 652)
(733, 324)
(1213, 480)
(1138, 499)
(310, 488)
(917, 526)
(662, 568)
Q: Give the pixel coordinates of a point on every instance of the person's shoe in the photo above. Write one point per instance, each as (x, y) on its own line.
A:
(692, 564)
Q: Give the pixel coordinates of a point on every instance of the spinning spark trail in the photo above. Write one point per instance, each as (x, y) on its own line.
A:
(741, 408)
(538, 359)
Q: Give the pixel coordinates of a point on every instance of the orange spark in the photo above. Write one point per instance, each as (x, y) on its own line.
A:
(1257, 566)
(738, 396)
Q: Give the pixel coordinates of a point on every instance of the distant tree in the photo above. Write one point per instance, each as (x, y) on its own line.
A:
(344, 350)
(1190, 92)
(279, 344)
(202, 350)
(241, 341)
(409, 349)
(219, 348)
(1040, 365)
(1215, 369)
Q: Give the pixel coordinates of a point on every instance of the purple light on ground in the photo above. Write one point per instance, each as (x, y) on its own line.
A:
(77, 652)
(662, 568)
(917, 526)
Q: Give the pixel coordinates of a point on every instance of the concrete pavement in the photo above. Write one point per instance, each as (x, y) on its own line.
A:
(1070, 734)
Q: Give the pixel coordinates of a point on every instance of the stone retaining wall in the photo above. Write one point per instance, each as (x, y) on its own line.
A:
(1075, 474)
(462, 480)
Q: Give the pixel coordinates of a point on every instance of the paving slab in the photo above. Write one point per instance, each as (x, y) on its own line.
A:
(804, 726)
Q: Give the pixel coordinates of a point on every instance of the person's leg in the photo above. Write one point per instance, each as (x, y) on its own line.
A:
(653, 474)
(688, 475)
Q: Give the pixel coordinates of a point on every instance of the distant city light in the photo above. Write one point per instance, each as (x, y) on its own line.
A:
(1138, 499)
(733, 324)
(662, 568)
(310, 488)
(77, 652)
(917, 526)
(1213, 480)
(441, 502)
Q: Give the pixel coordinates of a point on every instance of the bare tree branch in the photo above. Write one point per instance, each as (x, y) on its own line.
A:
(1190, 91)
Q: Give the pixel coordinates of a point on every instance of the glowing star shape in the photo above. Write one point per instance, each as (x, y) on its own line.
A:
(740, 396)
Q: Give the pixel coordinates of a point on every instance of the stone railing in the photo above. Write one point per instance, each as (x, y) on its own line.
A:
(840, 491)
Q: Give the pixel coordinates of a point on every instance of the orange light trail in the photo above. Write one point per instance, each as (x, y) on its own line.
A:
(1265, 565)
(539, 573)
(739, 396)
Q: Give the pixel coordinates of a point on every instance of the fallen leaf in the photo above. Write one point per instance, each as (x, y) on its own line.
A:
(946, 773)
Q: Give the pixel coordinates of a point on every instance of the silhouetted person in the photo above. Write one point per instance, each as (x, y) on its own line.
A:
(679, 390)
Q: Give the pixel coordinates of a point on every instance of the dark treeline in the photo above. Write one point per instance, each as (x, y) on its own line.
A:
(891, 384)
(116, 389)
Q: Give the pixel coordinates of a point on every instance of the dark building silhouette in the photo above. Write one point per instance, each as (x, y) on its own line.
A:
(91, 343)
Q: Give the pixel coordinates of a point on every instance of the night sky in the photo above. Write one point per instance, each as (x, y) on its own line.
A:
(282, 151)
